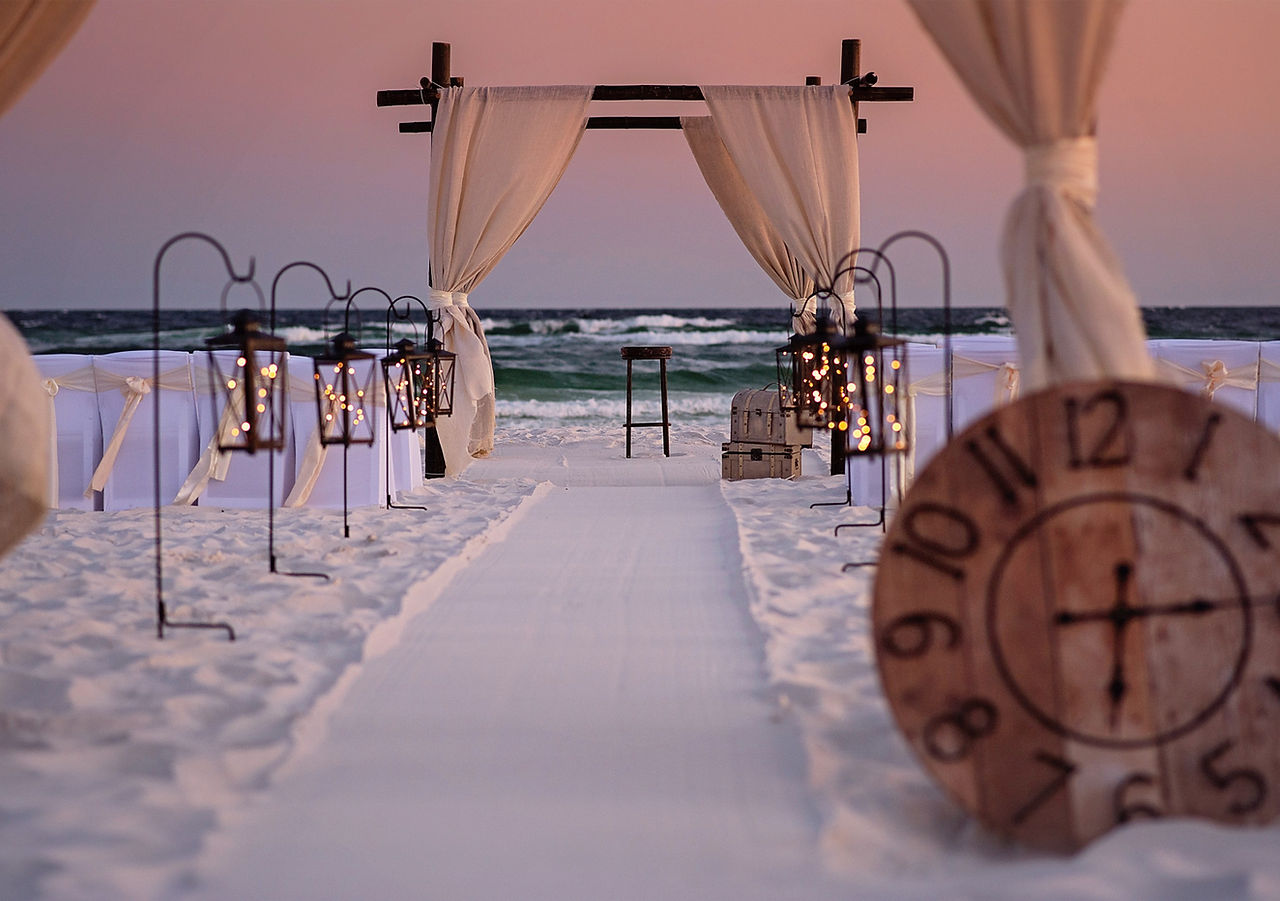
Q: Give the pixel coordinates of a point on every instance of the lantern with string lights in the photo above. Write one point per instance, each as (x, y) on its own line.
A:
(874, 392)
(419, 383)
(345, 393)
(811, 375)
(248, 369)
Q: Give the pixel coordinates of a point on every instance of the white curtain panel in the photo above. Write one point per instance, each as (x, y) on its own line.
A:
(1224, 371)
(796, 150)
(746, 215)
(127, 395)
(75, 439)
(1035, 67)
(496, 155)
(24, 440)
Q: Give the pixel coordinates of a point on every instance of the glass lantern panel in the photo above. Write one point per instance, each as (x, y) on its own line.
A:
(345, 397)
(247, 397)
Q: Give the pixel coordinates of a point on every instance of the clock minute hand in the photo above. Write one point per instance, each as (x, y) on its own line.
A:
(1193, 607)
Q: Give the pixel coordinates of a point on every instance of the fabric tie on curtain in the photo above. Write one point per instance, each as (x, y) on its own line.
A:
(134, 388)
(1035, 68)
(1069, 166)
(496, 156)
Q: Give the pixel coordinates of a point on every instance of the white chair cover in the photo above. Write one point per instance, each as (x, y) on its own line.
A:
(75, 445)
(406, 461)
(927, 406)
(985, 374)
(126, 409)
(225, 478)
(1269, 384)
(1225, 371)
(318, 474)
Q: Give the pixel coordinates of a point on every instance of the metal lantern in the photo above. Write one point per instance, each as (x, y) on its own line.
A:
(875, 392)
(419, 383)
(345, 394)
(248, 365)
(811, 376)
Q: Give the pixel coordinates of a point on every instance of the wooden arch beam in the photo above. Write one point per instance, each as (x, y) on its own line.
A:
(862, 89)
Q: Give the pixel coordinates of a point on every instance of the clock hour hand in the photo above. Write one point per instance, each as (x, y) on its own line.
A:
(1120, 617)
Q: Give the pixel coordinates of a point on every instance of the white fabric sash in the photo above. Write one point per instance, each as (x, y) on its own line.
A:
(1069, 166)
(214, 463)
(1211, 376)
(76, 380)
(134, 388)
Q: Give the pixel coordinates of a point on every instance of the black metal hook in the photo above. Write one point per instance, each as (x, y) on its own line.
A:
(162, 613)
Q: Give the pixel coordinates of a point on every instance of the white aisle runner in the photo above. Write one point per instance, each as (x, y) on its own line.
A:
(580, 716)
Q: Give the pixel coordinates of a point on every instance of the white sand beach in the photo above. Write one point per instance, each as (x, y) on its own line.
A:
(574, 676)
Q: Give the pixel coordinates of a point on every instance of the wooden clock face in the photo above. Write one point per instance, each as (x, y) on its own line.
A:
(1077, 614)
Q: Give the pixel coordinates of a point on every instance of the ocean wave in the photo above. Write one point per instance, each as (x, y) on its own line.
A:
(612, 408)
(586, 325)
(690, 339)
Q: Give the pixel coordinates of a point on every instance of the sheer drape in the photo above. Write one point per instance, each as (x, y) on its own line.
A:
(32, 32)
(1035, 67)
(24, 440)
(496, 155)
(796, 150)
(745, 213)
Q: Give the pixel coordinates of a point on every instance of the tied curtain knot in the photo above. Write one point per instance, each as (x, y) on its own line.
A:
(1215, 376)
(1008, 379)
(1069, 165)
(441, 300)
(50, 387)
(135, 385)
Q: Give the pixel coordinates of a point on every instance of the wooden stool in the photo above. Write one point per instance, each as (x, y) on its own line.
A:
(661, 354)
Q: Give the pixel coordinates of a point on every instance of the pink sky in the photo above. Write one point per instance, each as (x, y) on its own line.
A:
(255, 120)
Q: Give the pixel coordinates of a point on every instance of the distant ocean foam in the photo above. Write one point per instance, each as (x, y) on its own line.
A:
(558, 367)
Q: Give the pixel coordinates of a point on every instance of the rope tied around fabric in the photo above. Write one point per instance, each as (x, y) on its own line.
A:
(1069, 165)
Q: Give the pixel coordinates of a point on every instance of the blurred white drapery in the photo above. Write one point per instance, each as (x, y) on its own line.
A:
(496, 155)
(32, 33)
(796, 151)
(1035, 68)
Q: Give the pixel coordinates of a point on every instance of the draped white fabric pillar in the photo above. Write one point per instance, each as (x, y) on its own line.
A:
(744, 212)
(1035, 67)
(32, 33)
(796, 149)
(24, 440)
(496, 155)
